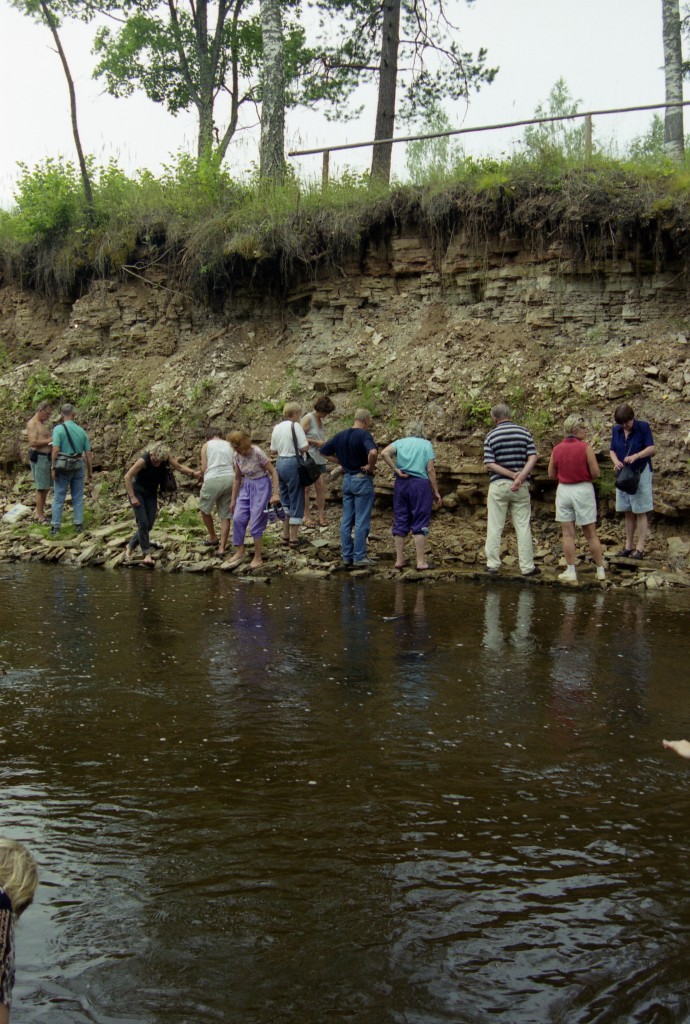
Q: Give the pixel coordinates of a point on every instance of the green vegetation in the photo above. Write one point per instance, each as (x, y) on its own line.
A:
(202, 228)
(40, 387)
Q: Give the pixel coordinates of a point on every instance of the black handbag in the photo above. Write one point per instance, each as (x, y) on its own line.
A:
(308, 470)
(628, 479)
(168, 484)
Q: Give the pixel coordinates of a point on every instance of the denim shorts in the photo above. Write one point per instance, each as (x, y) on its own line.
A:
(642, 500)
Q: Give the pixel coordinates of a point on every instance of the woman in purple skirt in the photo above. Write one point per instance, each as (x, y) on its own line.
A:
(255, 485)
(415, 491)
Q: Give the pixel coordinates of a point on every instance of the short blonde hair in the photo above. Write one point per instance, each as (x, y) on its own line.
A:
(240, 441)
(18, 874)
(291, 410)
(574, 422)
(159, 451)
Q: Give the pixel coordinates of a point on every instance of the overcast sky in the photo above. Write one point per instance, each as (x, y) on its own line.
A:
(608, 51)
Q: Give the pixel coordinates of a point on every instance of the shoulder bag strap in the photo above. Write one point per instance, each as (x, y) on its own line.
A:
(69, 438)
(294, 441)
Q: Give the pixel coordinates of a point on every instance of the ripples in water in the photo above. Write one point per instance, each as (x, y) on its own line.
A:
(359, 802)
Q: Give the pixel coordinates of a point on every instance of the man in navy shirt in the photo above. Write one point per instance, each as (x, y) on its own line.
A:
(632, 443)
(355, 450)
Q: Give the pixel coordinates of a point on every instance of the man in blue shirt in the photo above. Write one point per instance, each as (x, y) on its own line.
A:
(355, 450)
(70, 441)
(632, 444)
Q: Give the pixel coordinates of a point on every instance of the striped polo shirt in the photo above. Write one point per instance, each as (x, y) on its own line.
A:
(509, 446)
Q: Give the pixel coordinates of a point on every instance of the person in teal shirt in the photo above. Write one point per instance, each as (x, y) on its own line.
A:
(71, 441)
(415, 491)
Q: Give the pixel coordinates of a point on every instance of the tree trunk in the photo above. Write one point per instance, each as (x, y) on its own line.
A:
(51, 22)
(272, 152)
(673, 74)
(388, 81)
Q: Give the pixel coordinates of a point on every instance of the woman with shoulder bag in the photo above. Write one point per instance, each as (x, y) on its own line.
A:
(632, 445)
(312, 424)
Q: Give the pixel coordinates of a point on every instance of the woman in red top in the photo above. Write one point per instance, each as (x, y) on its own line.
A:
(574, 464)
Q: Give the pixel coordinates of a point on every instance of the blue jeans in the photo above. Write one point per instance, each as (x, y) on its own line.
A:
(75, 483)
(358, 501)
(291, 487)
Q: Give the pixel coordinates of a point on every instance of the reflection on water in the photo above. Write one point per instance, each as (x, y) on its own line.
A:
(359, 801)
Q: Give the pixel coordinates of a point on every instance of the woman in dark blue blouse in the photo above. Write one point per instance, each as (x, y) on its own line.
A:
(632, 444)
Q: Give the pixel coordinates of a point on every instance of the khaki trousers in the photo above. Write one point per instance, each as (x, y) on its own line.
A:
(500, 499)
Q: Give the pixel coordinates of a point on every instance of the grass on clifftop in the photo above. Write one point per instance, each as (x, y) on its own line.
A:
(200, 228)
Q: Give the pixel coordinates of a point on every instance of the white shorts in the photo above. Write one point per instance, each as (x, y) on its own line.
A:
(575, 503)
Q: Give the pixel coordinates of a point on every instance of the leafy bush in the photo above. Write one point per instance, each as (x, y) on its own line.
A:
(40, 387)
(49, 199)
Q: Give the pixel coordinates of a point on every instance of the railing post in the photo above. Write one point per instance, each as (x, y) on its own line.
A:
(588, 137)
(324, 169)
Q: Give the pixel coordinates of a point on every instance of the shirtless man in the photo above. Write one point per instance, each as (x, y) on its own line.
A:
(40, 446)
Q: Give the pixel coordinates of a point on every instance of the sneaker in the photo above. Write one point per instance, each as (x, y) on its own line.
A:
(568, 574)
(536, 571)
(601, 572)
(364, 563)
(54, 530)
(492, 571)
(78, 528)
(624, 553)
(271, 513)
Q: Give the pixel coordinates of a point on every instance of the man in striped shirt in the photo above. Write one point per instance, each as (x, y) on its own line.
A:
(510, 455)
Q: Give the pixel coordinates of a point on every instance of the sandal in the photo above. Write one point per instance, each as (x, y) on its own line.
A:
(211, 542)
(624, 553)
(639, 555)
(299, 543)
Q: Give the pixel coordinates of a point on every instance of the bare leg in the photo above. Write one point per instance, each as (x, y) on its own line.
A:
(592, 538)
(237, 557)
(642, 527)
(568, 537)
(41, 505)
(224, 534)
(320, 492)
(630, 518)
(208, 523)
(257, 560)
(400, 560)
(308, 521)
(420, 545)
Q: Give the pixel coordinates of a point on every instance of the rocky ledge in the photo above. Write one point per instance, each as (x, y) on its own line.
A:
(455, 547)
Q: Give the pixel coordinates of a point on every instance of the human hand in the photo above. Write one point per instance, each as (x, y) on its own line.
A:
(630, 459)
(135, 503)
(402, 474)
(681, 747)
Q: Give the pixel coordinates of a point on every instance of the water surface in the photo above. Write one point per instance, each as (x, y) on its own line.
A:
(347, 801)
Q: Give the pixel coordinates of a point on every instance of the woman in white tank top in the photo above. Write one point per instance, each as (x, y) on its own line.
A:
(312, 425)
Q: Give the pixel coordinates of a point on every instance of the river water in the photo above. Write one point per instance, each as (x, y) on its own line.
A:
(349, 801)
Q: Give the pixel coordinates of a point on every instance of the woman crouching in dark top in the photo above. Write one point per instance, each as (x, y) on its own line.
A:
(143, 480)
